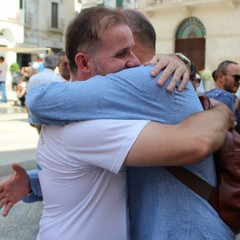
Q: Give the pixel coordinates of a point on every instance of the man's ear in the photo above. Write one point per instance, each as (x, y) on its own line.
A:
(220, 77)
(82, 61)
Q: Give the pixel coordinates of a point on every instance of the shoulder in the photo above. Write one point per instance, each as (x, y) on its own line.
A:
(217, 92)
(222, 96)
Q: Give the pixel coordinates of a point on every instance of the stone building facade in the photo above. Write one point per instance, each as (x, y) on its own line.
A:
(207, 31)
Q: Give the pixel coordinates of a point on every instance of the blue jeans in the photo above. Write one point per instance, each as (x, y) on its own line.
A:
(3, 91)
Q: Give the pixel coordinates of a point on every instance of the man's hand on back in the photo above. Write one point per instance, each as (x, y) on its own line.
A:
(171, 64)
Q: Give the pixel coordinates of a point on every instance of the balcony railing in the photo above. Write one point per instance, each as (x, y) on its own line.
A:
(165, 3)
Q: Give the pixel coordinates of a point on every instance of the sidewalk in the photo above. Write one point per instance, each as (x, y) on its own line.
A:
(18, 140)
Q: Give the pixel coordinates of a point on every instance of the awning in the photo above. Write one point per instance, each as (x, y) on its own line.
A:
(25, 50)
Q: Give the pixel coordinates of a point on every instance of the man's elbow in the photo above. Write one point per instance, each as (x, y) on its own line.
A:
(203, 149)
(200, 151)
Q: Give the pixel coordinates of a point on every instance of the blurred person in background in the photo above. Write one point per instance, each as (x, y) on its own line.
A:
(3, 74)
(21, 90)
(227, 79)
(63, 67)
(40, 61)
(47, 75)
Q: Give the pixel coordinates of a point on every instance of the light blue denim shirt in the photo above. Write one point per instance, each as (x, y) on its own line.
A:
(222, 96)
(36, 194)
(161, 208)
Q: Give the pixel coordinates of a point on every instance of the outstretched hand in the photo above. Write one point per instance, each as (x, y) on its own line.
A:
(171, 64)
(13, 188)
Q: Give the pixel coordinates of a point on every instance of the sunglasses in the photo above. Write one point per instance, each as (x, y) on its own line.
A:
(236, 77)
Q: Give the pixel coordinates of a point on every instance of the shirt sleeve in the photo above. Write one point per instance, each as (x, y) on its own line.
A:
(36, 194)
(109, 140)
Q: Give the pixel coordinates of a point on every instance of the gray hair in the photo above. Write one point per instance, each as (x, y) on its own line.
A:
(50, 61)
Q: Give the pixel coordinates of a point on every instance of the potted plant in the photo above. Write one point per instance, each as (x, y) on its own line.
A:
(15, 72)
(207, 80)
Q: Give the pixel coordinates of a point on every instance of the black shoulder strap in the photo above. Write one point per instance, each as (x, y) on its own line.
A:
(195, 183)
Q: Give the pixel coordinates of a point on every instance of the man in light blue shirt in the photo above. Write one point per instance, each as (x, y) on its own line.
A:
(227, 79)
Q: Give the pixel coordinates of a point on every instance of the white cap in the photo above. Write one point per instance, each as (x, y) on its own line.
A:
(197, 76)
(35, 65)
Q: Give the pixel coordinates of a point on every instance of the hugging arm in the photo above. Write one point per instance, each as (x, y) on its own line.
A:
(170, 64)
(186, 143)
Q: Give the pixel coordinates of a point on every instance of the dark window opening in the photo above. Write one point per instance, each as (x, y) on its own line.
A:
(54, 23)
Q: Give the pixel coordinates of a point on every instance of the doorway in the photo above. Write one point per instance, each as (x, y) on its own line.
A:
(190, 40)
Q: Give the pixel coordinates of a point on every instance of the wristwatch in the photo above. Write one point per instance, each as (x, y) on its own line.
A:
(184, 59)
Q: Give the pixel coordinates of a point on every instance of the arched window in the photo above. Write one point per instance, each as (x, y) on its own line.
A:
(190, 40)
(191, 27)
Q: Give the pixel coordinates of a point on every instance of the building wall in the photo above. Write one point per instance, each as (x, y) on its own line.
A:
(11, 29)
(30, 27)
(220, 18)
(38, 30)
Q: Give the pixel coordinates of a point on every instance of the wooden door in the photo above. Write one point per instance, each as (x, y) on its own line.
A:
(194, 49)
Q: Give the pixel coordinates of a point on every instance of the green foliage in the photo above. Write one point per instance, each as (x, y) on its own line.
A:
(14, 67)
(206, 74)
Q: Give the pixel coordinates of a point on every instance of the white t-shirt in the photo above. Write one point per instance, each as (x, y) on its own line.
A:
(83, 179)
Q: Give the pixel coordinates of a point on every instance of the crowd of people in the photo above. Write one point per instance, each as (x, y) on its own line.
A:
(45, 64)
(102, 151)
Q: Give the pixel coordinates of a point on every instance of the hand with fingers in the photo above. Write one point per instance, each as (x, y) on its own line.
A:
(232, 118)
(171, 64)
(13, 188)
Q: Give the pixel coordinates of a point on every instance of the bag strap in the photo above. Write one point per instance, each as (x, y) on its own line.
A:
(192, 181)
(195, 183)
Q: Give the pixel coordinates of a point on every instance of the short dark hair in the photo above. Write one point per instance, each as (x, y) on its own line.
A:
(83, 31)
(222, 67)
(193, 71)
(214, 75)
(141, 28)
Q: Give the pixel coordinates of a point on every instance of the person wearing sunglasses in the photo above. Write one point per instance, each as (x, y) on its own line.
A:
(227, 79)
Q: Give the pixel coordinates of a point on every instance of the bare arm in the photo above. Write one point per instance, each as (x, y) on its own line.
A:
(171, 64)
(188, 142)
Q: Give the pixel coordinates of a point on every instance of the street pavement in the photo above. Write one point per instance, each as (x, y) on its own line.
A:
(18, 141)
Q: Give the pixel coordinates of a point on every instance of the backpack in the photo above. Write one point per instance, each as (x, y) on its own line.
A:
(225, 197)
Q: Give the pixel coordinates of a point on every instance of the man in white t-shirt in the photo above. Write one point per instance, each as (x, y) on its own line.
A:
(3, 74)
